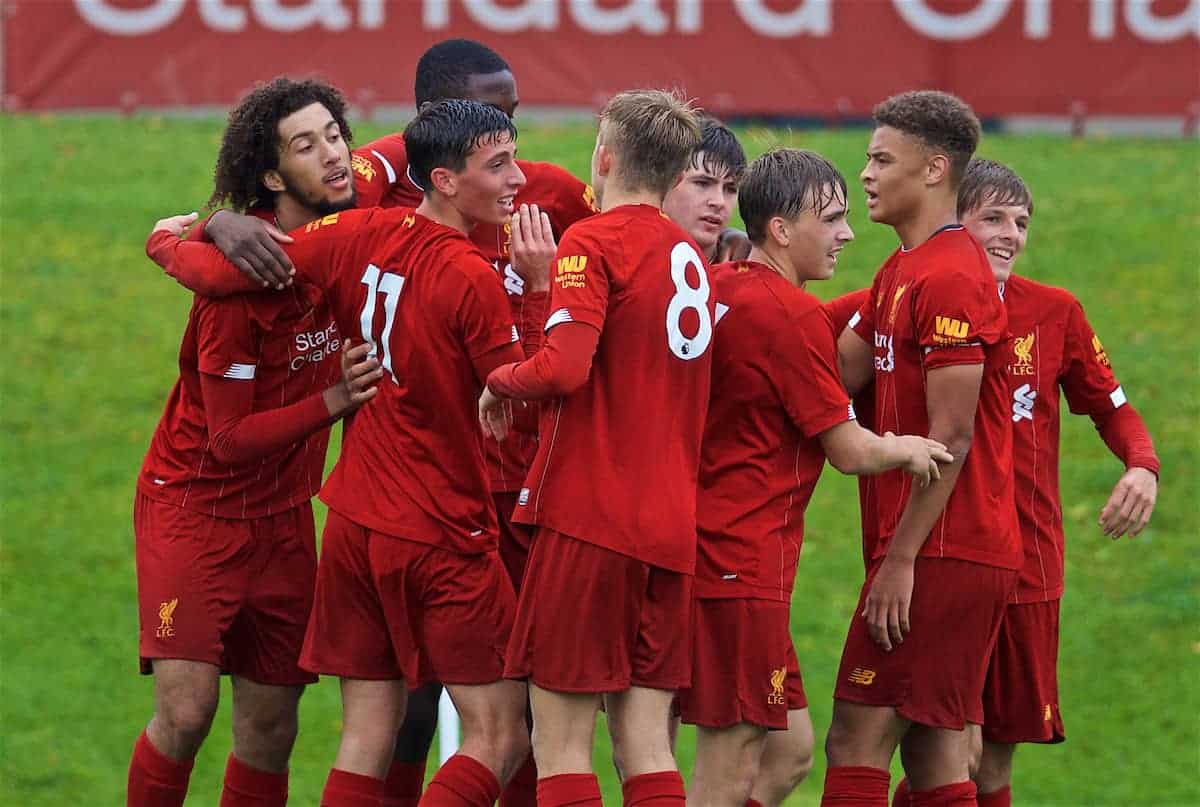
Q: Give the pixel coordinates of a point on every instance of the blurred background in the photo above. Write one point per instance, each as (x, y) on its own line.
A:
(112, 115)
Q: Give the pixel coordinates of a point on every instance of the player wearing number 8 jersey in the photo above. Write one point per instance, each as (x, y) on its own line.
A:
(605, 605)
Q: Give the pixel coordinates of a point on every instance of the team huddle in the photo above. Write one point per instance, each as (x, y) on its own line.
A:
(581, 427)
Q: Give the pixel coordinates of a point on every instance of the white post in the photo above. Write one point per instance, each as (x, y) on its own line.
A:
(448, 730)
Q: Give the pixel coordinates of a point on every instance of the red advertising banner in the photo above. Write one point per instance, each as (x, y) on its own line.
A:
(821, 58)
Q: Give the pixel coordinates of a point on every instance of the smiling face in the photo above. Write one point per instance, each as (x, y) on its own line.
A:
(484, 190)
(702, 203)
(314, 162)
(894, 176)
(815, 238)
(1002, 231)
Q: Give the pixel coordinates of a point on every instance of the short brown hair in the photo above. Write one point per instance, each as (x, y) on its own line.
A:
(786, 182)
(653, 134)
(943, 122)
(990, 182)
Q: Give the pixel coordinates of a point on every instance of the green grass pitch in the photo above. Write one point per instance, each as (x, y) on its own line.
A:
(90, 335)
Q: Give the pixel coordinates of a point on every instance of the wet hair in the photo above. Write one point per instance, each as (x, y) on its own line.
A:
(785, 182)
(444, 69)
(987, 182)
(446, 132)
(653, 134)
(720, 152)
(250, 145)
(942, 122)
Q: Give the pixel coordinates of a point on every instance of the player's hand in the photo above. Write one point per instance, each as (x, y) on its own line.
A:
(888, 599)
(175, 225)
(532, 248)
(360, 374)
(495, 418)
(251, 245)
(733, 245)
(923, 457)
(1131, 504)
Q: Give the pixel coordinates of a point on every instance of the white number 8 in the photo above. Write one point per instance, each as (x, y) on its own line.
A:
(686, 296)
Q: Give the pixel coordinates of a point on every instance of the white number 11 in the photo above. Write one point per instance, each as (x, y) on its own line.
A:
(391, 285)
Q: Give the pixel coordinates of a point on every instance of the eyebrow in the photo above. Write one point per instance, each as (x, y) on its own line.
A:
(311, 133)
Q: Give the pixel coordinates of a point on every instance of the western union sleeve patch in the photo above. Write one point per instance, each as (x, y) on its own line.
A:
(570, 272)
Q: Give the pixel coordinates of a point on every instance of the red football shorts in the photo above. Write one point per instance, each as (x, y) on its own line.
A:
(231, 592)
(390, 609)
(514, 538)
(1020, 697)
(935, 677)
(593, 620)
(744, 667)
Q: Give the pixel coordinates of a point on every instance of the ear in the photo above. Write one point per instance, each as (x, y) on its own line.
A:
(604, 160)
(937, 169)
(273, 181)
(778, 231)
(444, 181)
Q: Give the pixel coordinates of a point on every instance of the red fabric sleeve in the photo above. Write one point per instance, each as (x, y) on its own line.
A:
(956, 312)
(1125, 434)
(529, 310)
(573, 200)
(560, 367)
(370, 178)
(862, 321)
(238, 435)
(579, 281)
(197, 266)
(805, 375)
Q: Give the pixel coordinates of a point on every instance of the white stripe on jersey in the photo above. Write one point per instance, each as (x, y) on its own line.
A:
(558, 318)
(851, 412)
(387, 166)
(516, 337)
(1118, 398)
(241, 372)
(854, 320)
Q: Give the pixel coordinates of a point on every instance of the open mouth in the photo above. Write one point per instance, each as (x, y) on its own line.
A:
(1002, 253)
(339, 179)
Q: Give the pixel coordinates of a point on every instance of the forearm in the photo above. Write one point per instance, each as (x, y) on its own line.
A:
(559, 368)
(1125, 434)
(530, 314)
(921, 512)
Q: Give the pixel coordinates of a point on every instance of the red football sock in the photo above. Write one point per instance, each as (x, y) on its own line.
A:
(250, 787)
(900, 797)
(521, 790)
(998, 798)
(345, 789)
(959, 794)
(462, 782)
(659, 789)
(753, 803)
(402, 788)
(569, 789)
(855, 786)
(156, 780)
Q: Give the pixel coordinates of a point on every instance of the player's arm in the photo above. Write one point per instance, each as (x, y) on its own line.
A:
(732, 245)
(1091, 388)
(252, 245)
(856, 451)
(197, 266)
(952, 394)
(855, 361)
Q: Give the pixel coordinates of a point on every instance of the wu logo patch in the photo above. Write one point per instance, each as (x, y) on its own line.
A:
(1023, 398)
(776, 698)
(949, 326)
(166, 619)
(861, 676)
(569, 274)
(1023, 352)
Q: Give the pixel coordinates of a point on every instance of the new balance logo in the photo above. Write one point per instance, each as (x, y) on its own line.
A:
(1048, 713)
(1023, 398)
(861, 676)
(241, 372)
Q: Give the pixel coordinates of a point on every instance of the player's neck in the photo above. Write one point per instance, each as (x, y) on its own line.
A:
(779, 263)
(437, 208)
(617, 196)
(290, 214)
(936, 213)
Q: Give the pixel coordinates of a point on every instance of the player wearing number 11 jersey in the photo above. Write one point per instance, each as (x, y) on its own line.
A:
(605, 604)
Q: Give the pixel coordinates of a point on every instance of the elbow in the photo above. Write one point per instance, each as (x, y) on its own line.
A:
(957, 442)
(569, 382)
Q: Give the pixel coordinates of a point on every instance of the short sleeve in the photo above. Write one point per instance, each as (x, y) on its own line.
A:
(573, 200)
(1087, 379)
(227, 342)
(862, 321)
(579, 283)
(483, 316)
(803, 370)
(955, 315)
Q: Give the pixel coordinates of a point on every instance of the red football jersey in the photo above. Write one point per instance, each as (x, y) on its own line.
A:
(1053, 347)
(841, 310)
(286, 345)
(411, 463)
(382, 179)
(618, 457)
(934, 306)
(775, 388)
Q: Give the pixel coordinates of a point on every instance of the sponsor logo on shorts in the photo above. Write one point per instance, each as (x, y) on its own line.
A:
(362, 166)
(776, 698)
(570, 272)
(1023, 398)
(523, 497)
(166, 619)
(862, 676)
(1023, 352)
(1047, 713)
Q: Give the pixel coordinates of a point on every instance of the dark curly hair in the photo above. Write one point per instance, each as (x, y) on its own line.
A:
(990, 182)
(943, 122)
(250, 144)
